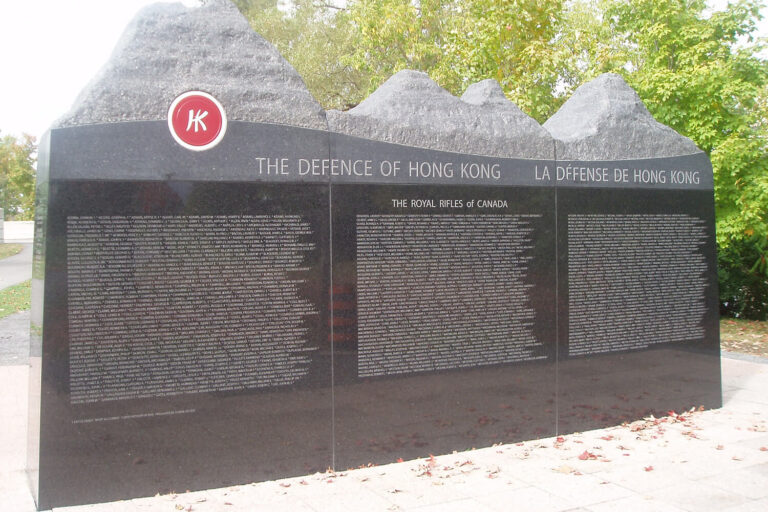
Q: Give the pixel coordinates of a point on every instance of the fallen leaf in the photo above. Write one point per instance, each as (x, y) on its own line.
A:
(284, 484)
(400, 459)
(648, 468)
(764, 448)
(586, 455)
(567, 470)
(720, 447)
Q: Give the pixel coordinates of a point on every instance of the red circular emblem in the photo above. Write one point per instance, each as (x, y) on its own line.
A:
(197, 120)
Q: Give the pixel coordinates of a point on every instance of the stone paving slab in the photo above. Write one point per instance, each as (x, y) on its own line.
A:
(690, 461)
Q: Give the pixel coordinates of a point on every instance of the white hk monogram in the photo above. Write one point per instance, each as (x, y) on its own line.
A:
(197, 120)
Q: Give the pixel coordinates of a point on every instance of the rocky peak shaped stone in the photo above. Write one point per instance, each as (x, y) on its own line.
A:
(486, 92)
(605, 119)
(411, 109)
(169, 49)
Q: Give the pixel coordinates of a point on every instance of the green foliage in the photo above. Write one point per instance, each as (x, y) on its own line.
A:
(697, 72)
(700, 75)
(391, 35)
(510, 41)
(317, 41)
(743, 276)
(17, 177)
(460, 42)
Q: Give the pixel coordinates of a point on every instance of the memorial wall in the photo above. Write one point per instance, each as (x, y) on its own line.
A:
(233, 285)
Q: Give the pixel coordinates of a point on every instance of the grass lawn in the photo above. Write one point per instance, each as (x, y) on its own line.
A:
(14, 298)
(9, 250)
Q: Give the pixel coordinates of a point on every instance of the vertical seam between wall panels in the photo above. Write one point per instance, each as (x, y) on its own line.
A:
(557, 303)
(330, 304)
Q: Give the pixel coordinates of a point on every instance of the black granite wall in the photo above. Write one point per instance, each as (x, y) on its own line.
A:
(420, 274)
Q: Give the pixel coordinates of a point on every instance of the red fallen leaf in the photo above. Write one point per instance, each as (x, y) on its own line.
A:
(431, 461)
(764, 448)
(400, 459)
(625, 454)
(285, 484)
(586, 455)
(304, 482)
(607, 438)
(648, 468)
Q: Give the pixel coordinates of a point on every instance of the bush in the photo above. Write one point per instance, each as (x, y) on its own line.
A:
(743, 276)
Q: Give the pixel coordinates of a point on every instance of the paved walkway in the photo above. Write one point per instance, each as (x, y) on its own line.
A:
(696, 461)
(14, 339)
(16, 269)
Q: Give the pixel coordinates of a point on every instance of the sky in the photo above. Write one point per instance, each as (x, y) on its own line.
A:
(52, 48)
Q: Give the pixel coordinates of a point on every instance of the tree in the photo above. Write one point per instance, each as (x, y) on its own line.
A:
(391, 35)
(701, 75)
(17, 176)
(459, 42)
(507, 40)
(315, 38)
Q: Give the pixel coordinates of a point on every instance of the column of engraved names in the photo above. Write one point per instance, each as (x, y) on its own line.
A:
(164, 305)
(443, 291)
(634, 280)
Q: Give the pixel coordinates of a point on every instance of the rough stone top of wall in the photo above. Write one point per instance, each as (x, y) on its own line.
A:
(605, 119)
(169, 49)
(412, 110)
